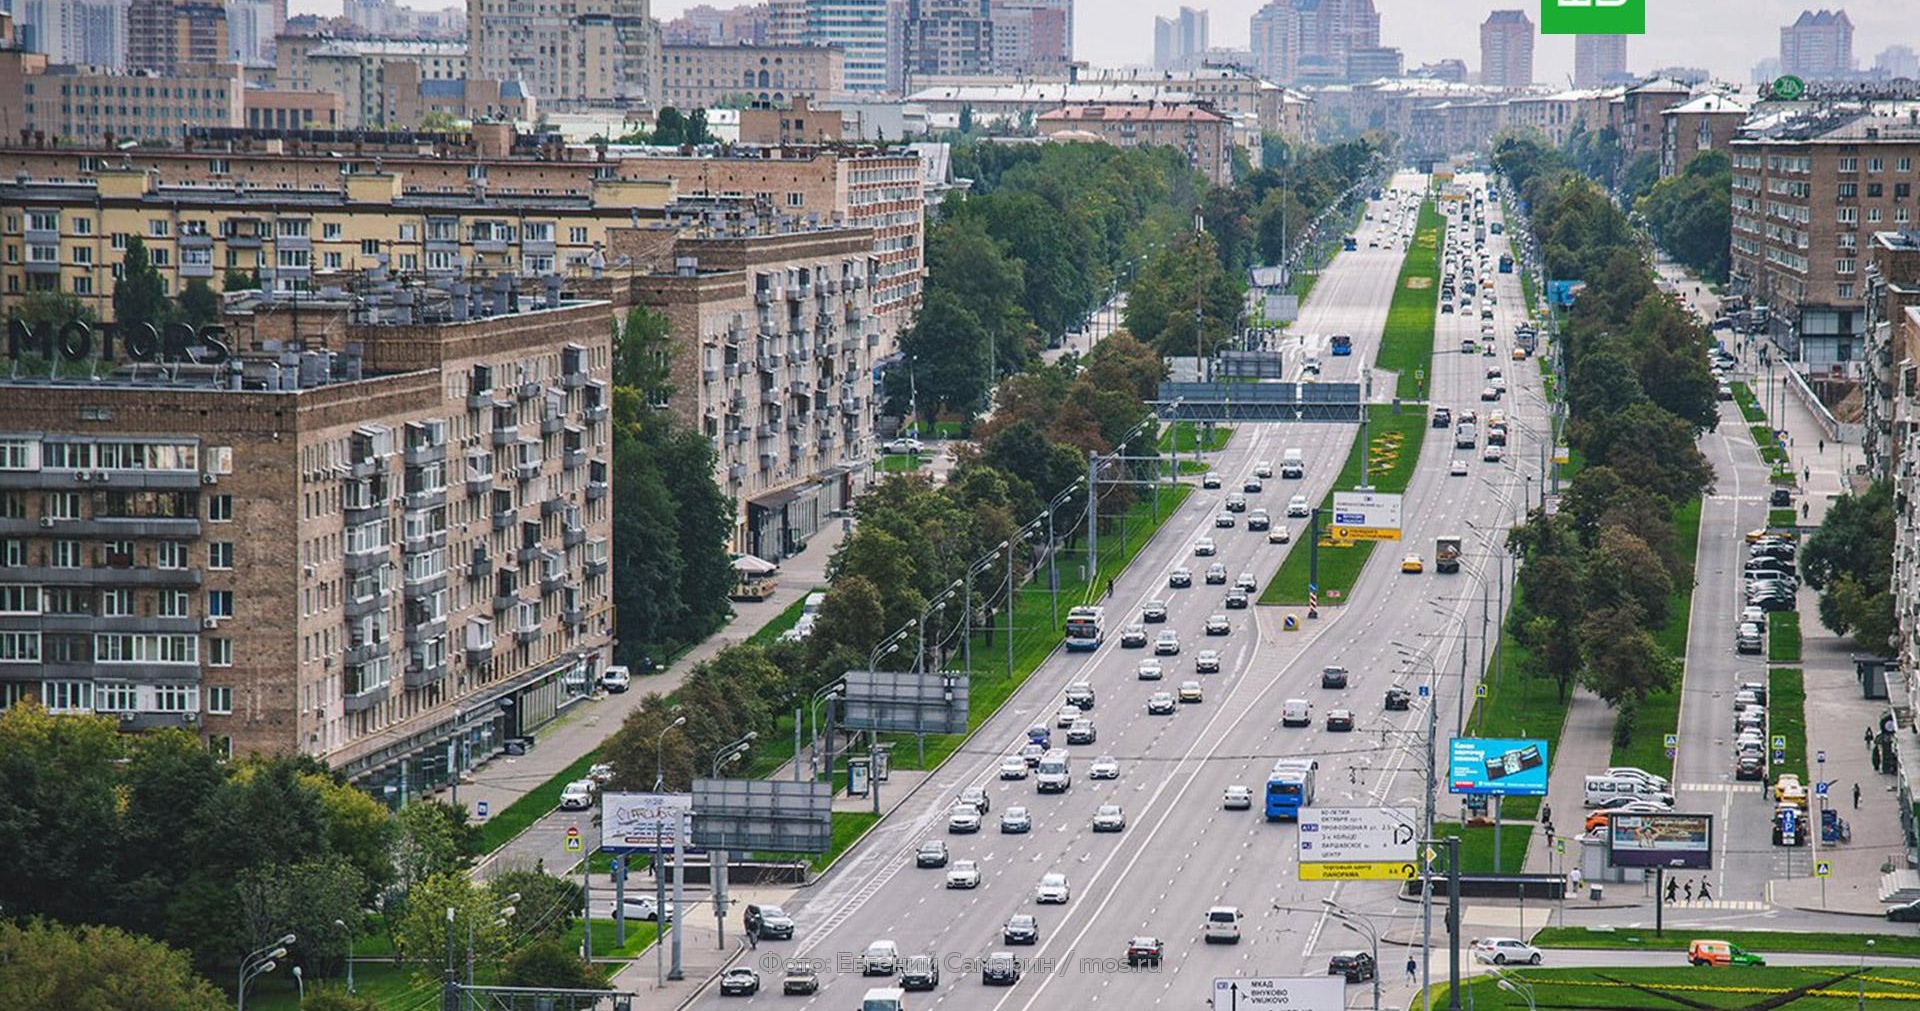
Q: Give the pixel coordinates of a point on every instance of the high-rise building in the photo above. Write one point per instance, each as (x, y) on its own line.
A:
(1897, 61)
(569, 53)
(86, 32)
(947, 38)
(1180, 42)
(706, 25)
(786, 22)
(1599, 60)
(1315, 41)
(1032, 37)
(859, 28)
(1506, 49)
(1818, 44)
(250, 31)
(164, 34)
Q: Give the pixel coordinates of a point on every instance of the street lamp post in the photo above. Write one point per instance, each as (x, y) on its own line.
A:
(659, 751)
(257, 962)
(726, 755)
(1363, 926)
(984, 563)
(348, 931)
(1860, 1002)
(1518, 987)
(300, 982)
(1053, 567)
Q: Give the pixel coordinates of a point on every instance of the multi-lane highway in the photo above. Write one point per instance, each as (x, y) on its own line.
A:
(1181, 853)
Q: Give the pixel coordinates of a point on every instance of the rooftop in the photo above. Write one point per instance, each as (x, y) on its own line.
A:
(1149, 113)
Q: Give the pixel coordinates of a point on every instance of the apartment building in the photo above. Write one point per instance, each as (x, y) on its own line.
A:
(779, 345)
(1196, 130)
(1506, 49)
(86, 105)
(1642, 106)
(1560, 114)
(1891, 386)
(862, 29)
(947, 38)
(1180, 42)
(1033, 38)
(165, 35)
(92, 32)
(1599, 60)
(1320, 41)
(569, 54)
(1819, 44)
(368, 74)
(1806, 186)
(700, 76)
(1706, 123)
(356, 534)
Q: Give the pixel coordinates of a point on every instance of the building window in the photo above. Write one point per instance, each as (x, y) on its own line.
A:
(83, 225)
(170, 555)
(83, 256)
(19, 647)
(796, 200)
(19, 599)
(220, 509)
(219, 652)
(292, 228)
(577, 235)
(220, 555)
(219, 603)
(173, 604)
(220, 700)
(18, 454)
(176, 698)
(83, 285)
(159, 228)
(1873, 215)
(116, 603)
(115, 697)
(330, 261)
(408, 232)
(1843, 266)
(67, 696)
(13, 553)
(62, 505)
(64, 555)
(119, 242)
(43, 221)
(1843, 289)
(329, 230)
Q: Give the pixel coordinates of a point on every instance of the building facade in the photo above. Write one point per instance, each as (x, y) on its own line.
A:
(87, 105)
(1818, 44)
(1890, 389)
(1599, 60)
(1196, 130)
(1321, 41)
(1506, 50)
(380, 546)
(165, 35)
(569, 54)
(1642, 110)
(363, 72)
(1180, 42)
(1706, 123)
(858, 28)
(1032, 38)
(947, 38)
(697, 77)
(88, 32)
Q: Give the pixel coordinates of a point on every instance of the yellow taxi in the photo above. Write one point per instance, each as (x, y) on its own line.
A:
(1413, 563)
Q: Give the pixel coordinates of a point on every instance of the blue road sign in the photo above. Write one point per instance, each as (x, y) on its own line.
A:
(1425, 691)
(1819, 789)
(479, 809)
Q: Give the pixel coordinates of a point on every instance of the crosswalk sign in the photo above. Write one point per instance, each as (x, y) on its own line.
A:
(573, 838)
(1823, 869)
(1479, 691)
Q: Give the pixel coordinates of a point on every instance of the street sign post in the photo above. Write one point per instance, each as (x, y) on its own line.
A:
(573, 838)
(1357, 843)
(1365, 516)
(1292, 993)
(480, 809)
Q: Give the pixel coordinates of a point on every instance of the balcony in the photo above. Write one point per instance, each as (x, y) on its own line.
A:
(596, 490)
(420, 456)
(527, 390)
(360, 608)
(873, 339)
(363, 701)
(166, 529)
(422, 677)
(553, 582)
(526, 471)
(477, 484)
(855, 313)
(736, 472)
(425, 498)
(573, 537)
(575, 459)
(506, 436)
(424, 586)
(526, 634)
(424, 630)
(358, 562)
(505, 518)
(481, 567)
(552, 424)
(598, 412)
(574, 616)
(770, 397)
(552, 507)
(529, 553)
(504, 602)
(479, 653)
(573, 380)
(479, 400)
(366, 652)
(369, 466)
(737, 404)
(596, 566)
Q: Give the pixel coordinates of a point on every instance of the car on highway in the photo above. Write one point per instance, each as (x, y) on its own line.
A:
(1706, 952)
(1203, 547)
(964, 874)
(1190, 692)
(1399, 699)
(932, 853)
(1297, 506)
(1066, 716)
(1217, 624)
(1296, 713)
(963, 819)
(1279, 535)
(1223, 925)
(769, 923)
(1150, 670)
(1160, 704)
(638, 907)
(1236, 503)
(1333, 677)
(1492, 453)
(739, 981)
(1504, 951)
(1442, 417)
(1207, 661)
(1413, 563)
(1339, 720)
(976, 797)
(1217, 574)
(1154, 611)
(1109, 818)
(1750, 765)
(1104, 767)
(1180, 578)
(921, 972)
(882, 958)
(1134, 636)
(1015, 820)
(1355, 966)
(1145, 950)
(1237, 798)
(1457, 468)
(1167, 644)
(1082, 732)
(1246, 581)
(1224, 521)
(1210, 479)
(1259, 519)
(578, 795)
(1263, 469)
(1237, 600)
(1021, 928)
(1052, 889)
(1031, 751)
(1252, 486)
(1747, 639)
(800, 980)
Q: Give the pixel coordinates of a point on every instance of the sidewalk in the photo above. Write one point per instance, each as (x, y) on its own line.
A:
(1586, 744)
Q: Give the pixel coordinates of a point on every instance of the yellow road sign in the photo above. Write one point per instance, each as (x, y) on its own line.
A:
(1384, 871)
(1365, 533)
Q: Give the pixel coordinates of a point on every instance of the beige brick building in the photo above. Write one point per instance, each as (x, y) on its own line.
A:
(1706, 123)
(69, 104)
(350, 539)
(696, 77)
(1203, 135)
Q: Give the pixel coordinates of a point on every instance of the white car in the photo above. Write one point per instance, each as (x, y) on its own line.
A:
(1237, 798)
(1168, 644)
(1263, 469)
(1104, 767)
(1493, 453)
(638, 907)
(1279, 535)
(1013, 767)
(1053, 889)
(1150, 670)
(1457, 468)
(1066, 716)
(1207, 661)
(964, 874)
(1203, 547)
(905, 445)
(578, 795)
(1504, 951)
(964, 818)
(1297, 506)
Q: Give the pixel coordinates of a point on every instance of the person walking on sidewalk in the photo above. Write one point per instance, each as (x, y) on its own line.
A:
(1673, 890)
(1689, 891)
(1868, 737)
(1856, 796)
(1706, 892)
(1413, 970)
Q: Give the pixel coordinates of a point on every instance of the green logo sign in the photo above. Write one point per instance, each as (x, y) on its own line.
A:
(1789, 88)
(1593, 17)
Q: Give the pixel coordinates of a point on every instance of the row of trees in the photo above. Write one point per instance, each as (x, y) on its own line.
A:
(1850, 561)
(1691, 215)
(1600, 573)
(912, 541)
(155, 835)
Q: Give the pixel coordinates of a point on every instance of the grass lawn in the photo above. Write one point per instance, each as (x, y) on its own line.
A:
(1781, 518)
(1748, 403)
(639, 933)
(1476, 844)
(1783, 637)
(1520, 706)
(1183, 436)
(1396, 440)
(1848, 945)
(783, 622)
(1677, 985)
(1659, 713)
(1787, 717)
(515, 817)
(1406, 344)
(388, 985)
(899, 463)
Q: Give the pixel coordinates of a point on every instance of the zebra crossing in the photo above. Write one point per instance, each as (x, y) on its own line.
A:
(1726, 904)
(1719, 788)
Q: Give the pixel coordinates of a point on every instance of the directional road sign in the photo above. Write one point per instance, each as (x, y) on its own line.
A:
(480, 809)
(1292, 993)
(1365, 516)
(1357, 843)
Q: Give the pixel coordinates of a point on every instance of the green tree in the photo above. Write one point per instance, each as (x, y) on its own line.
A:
(332, 997)
(847, 619)
(1623, 572)
(199, 305)
(48, 311)
(643, 354)
(549, 963)
(1623, 663)
(1639, 176)
(1550, 604)
(91, 968)
(547, 905)
(139, 296)
(304, 899)
(432, 839)
(359, 829)
(1849, 559)
(420, 934)
(236, 279)
(58, 779)
(947, 347)
(1160, 308)
(439, 121)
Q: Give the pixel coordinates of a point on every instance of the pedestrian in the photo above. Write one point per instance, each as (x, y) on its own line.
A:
(1413, 969)
(753, 938)
(1546, 814)
(1689, 891)
(1803, 510)
(1868, 737)
(1856, 796)
(1823, 445)
(1876, 758)
(1673, 890)
(1109, 586)
(1575, 876)
(1706, 893)
(1806, 475)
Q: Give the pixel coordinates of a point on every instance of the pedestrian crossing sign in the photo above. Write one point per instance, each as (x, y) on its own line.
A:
(1823, 869)
(1479, 691)
(1673, 740)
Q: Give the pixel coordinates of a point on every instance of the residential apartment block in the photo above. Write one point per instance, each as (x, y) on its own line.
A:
(1320, 41)
(1890, 388)
(1196, 130)
(89, 32)
(356, 533)
(165, 35)
(862, 29)
(1506, 49)
(569, 54)
(1033, 38)
(1599, 60)
(77, 104)
(1706, 123)
(367, 73)
(700, 76)
(1819, 44)
(1806, 188)
(1180, 42)
(947, 38)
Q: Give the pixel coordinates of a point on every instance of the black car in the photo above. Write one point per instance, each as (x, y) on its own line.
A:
(769, 923)
(1023, 928)
(1751, 766)
(1333, 677)
(1236, 600)
(1155, 611)
(1906, 913)
(1398, 699)
(1179, 578)
(1252, 485)
(1000, 969)
(922, 972)
(1780, 498)
(739, 982)
(1356, 966)
(1442, 418)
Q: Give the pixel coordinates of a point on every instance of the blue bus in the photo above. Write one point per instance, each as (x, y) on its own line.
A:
(1290, 788)
(1506, 263)
(1086, 628)
(1350, 243)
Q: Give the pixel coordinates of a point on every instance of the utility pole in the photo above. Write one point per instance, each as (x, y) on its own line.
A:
(1093, 518)
(1199, 297)
(1453, 923)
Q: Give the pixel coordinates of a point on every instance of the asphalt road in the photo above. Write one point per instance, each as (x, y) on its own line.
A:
(1180, 852)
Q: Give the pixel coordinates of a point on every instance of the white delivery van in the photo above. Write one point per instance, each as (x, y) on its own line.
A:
(1293, 464)
(1296, 713)
(884, 998)
(1603, 788)
(1053, 774)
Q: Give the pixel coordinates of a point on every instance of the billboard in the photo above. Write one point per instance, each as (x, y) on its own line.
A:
(644, 822)
(1357, 843)
(765, 815)
(1660, 840)
(906, 702)
(1497, 767)
(1365, 516)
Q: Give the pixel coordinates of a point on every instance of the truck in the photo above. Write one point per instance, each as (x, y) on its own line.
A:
(1446, 554)
(1290, 788)
(1086, 628)
(1293, 464)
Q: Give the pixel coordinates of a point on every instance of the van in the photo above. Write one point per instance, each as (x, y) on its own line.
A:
(1053, 774)
(1296, 713)
(1293, 464)
(886, 998)
(882, 959)
(1704, 952)
(1603, 788)
(1223, 925)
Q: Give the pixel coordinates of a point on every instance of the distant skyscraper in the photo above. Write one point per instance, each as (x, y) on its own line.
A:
(1598, 59)
(250, 31)
(163, 34)
(947, 38)
(1818, 44)
(1033, 37)
(1180, 42)
(1897, 61)
(860, 28)
(1315, 41)
(1506, 50)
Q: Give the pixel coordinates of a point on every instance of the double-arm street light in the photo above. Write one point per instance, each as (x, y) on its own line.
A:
(891, 644)
(733, 751)
(938, 603)
(1520, 988)
(985, 562)
(258, 962)
(659, 751)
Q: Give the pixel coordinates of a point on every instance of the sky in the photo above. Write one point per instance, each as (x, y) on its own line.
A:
(1726, 36)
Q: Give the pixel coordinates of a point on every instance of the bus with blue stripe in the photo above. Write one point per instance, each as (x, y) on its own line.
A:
(1290, 788)
(1086, 629)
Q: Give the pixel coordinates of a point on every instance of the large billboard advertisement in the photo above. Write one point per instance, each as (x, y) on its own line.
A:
(1660, 840)
(642, 821)
(1497, 767)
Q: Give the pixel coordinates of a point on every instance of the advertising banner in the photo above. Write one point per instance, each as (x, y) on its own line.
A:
(1497, 767)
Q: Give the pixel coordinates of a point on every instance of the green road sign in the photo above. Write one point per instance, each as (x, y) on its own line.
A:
(1593, 17)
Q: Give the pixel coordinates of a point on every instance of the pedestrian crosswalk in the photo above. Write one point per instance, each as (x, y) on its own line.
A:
(1719, 788)
(1729, 904)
